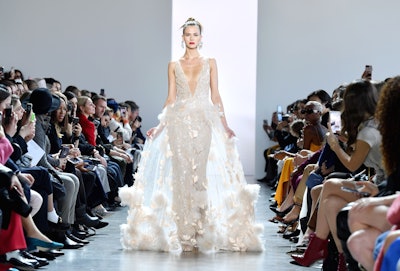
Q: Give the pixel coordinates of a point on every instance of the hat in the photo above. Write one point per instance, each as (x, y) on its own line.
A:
(43, 101)
(111, 103)
(3, 92)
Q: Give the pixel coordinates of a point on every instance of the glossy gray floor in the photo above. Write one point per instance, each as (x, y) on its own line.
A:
(104, 251)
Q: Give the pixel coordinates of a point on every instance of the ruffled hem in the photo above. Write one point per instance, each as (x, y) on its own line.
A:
(217, 211)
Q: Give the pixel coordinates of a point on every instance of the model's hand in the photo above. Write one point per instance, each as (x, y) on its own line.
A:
(151, 133)
(229, 132)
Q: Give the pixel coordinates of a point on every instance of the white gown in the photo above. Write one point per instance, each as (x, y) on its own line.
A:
(190, 192)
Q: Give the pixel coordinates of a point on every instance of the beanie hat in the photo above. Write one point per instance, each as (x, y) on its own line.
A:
(43, 101)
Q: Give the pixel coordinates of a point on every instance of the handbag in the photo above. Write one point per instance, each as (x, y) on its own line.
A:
(10, 200)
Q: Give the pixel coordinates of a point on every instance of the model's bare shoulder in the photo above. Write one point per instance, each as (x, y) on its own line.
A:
(171, 64)
(212, 62)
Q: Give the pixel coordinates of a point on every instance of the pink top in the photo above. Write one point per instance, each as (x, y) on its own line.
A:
(6, 150)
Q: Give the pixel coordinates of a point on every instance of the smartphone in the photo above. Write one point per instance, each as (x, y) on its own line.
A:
(1, 118)
(7, 115)
(90, 167)
(75, 121)
(368, 68)
(285, 117)
(102, 92)
(360, 193)
(32, 117)
(123, 112)
(96, 123)
(28, 109)
(336, 121)
(64, 152)
(279, 113)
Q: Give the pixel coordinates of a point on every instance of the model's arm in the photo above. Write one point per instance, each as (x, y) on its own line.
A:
(171, 84)
(170, 98)
(215, 97)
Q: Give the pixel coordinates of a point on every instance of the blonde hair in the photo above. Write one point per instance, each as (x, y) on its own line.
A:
(81, 102)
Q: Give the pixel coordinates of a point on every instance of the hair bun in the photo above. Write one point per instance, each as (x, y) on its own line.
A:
(190, 22)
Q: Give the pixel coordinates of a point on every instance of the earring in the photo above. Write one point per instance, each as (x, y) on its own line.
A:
(200, 45)
(182, 44)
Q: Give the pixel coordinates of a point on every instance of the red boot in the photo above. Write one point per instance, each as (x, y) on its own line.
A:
(342, 265)
(317, 249)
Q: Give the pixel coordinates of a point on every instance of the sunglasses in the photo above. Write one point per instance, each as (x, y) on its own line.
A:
(309, 111)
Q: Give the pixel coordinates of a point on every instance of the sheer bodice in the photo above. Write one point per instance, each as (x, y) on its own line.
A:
(190, 191)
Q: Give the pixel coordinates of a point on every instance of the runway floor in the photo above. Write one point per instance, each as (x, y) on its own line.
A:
(104, 251)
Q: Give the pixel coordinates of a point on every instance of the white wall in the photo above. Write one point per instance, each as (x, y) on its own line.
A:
(122, 46)
(311, 44)
(229, 36)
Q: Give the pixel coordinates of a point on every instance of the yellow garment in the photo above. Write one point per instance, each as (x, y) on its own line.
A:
(314, 147)
(288, 167)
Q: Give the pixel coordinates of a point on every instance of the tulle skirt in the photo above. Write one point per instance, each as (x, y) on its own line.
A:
(190, 191)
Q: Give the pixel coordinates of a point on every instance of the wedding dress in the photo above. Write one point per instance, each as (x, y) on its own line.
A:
(190, 192)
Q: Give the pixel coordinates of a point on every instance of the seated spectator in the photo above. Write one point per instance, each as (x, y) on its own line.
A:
(366, 218)
(360, 100)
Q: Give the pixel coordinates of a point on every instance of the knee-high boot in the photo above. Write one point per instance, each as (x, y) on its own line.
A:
(342, 266)
(317, 249)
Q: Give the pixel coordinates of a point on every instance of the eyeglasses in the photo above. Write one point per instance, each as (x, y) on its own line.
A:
(309, 111)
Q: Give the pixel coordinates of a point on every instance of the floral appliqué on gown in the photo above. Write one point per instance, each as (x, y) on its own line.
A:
(190, 192)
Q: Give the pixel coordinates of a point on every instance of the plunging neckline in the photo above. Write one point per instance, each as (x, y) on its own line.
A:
(197, 80)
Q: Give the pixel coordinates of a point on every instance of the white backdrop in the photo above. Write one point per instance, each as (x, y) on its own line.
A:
(229, 36)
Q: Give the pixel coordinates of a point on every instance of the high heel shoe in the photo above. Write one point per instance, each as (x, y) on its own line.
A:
(291, 222)
(33, 243)
(317, 249)
(290, 234)
(280, 213)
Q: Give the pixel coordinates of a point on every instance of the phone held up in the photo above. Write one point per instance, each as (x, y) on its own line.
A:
(7, 115)
(367, 72)
(75, 120)
(335, 121)
(279, 113)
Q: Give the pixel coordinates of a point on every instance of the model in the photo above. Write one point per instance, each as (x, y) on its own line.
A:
(190, 192)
